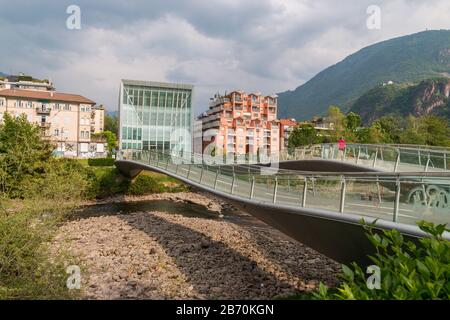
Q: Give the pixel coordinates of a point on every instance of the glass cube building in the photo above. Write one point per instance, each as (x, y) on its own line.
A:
(155, 115)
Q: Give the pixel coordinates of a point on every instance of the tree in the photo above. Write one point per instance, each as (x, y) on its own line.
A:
(392, 127)
(23, 153)
(353, 121)
(436, 130)
(111, 140)
(336, 119)
(304, 135)
(112, 124)
(427, 130)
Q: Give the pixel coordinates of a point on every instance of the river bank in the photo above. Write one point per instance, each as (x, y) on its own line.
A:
(158, 254)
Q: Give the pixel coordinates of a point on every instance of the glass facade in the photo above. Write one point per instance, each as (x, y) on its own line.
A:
(155, 115)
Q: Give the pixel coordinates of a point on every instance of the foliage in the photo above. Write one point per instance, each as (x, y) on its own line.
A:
(112, 124)
(391, 127)
(101, 162)
(23, 154)
(427, 130)
(304, 135)
(337, 119)
(409, 270)
(107, 181)
(143, 185)
(111, 140)
(352, 121)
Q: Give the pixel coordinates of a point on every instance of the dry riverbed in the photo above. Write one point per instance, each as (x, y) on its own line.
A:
(160, 255)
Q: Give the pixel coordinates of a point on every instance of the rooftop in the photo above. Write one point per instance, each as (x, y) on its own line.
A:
(156, 84)
(45, 95)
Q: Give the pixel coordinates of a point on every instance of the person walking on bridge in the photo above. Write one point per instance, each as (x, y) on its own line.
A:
(341, 146)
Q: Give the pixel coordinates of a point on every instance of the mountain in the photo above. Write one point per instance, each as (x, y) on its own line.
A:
(429, 97)
(406, 59)
(2, 75)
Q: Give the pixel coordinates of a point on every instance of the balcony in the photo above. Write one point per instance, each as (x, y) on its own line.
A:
(45, 125)
(43, 110)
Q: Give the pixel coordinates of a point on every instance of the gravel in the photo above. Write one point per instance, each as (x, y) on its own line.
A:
(157, 255)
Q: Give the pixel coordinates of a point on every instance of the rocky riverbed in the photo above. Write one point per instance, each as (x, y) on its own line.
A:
(160, 255)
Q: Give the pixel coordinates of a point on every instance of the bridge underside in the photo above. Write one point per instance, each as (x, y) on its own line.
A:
(338, 236)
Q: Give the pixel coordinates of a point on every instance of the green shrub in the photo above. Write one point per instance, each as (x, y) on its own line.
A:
(107, 182)
(60, 179)
(409, 271)
(145, 184)
(101, 162)
(26, 272)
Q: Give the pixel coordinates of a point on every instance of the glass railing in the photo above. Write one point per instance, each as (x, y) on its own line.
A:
(383, 157)
(398, 197)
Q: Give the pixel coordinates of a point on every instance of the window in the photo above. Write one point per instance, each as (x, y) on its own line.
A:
(56, 132)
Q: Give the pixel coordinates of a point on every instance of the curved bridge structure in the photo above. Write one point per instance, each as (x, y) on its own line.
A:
(323, 210)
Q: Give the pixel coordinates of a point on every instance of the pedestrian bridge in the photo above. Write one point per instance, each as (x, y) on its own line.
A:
(391, 187)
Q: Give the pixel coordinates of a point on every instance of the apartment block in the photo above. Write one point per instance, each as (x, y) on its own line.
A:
(240, 123)
(286, 128)
(65, 119)
(25, 83)
(97, 119)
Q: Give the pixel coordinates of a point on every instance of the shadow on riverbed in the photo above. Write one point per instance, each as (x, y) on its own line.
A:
(212, 268)
(126, 207)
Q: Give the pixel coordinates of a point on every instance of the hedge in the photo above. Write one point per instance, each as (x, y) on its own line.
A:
(101, 162)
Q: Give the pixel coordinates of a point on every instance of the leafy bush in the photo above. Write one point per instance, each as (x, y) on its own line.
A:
(107, 182)
(23, 154)
(144, 184)
(26, 272)
(408, 270)
(101, 162)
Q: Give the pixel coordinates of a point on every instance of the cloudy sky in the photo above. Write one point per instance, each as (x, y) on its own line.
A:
(255, 45)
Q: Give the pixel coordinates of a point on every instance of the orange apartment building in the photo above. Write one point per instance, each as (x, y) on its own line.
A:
(240, 123)
(286, 128)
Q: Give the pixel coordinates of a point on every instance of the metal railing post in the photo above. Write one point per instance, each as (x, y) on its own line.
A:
(359, 154)
(252, 190)
(343, 191)
(232, 183)
(275, 190)
(217, 177)
(305, 191)
(397, 199)
(378, 189)
(375, 159)
(397, 162)
(445, 161)
(201, 175)
(428, 163)
(189, 171)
